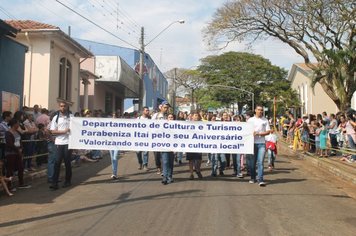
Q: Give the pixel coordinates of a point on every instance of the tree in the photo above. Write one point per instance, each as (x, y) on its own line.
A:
(186, 80)
(248, 73)
(323, 29)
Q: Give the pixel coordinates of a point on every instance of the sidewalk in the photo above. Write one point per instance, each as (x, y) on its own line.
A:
(341, 169)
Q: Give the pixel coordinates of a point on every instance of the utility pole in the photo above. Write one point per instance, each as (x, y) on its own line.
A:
(141, 73)
(174, 90)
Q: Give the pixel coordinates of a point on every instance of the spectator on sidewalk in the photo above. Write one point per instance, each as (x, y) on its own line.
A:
(4, 180)
(332, 128)
(13, 154)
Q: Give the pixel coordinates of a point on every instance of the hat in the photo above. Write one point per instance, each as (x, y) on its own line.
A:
(165, 103)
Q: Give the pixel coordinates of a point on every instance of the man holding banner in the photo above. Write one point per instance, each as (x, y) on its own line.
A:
(261, 129)
(166, 157)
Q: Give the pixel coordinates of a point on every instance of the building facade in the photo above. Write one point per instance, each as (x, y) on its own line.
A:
(52, 65)
(313, 101)
(155, 84)
(12, 61)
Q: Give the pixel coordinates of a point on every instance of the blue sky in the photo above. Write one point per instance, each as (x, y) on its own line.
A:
(181, 45)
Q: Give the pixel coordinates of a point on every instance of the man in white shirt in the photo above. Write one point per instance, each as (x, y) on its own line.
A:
(60, 128)
(261, 129)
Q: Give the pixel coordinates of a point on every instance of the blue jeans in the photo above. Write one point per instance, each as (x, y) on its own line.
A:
(114, 155)
(167, 164)
(352, 145)
(63, 154)
(179, 156)
(215, 158)
(95, 154)
(271, 157)
(142, 158)
(52, 158)
(236, 161)
(257, 158)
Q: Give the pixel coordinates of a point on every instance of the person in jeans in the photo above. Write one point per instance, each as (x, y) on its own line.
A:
(60, 128)
(142, 156)
(261, 129)
(166, 157)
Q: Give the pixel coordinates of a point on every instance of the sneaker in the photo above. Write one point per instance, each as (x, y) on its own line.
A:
(113, 177)
(24, 186)
(262, 184)
(145, 168)
(240, 176)
(252, 181)
(164, 181)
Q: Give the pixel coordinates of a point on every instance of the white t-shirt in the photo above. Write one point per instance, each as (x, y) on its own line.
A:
(271, 138)
(62, 124)
(259, 125)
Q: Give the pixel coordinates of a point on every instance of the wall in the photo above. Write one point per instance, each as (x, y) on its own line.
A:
(316, 102)
(12, 61)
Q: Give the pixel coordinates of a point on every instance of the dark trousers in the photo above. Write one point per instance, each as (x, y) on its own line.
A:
(333, 142)
(158, 159)
(14, 163)
(63, 154)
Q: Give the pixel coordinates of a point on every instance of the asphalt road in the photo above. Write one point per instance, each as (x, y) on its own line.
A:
(296, 201)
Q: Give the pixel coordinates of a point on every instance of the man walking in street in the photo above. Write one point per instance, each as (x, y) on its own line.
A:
(261, 129)
(60, 128)
(142, 156)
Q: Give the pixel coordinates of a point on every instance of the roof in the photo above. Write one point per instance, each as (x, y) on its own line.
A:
(29, 25)
(301, 67)
(38, 27)
(7, 29)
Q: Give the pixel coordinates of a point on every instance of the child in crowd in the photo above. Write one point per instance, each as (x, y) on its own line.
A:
(323, 136)
(305, 136)
(4, 179)
(271, 146)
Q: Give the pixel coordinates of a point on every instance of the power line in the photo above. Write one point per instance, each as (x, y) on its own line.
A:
(123, 13)
(108, 13)
(74, 11)
(8, 14)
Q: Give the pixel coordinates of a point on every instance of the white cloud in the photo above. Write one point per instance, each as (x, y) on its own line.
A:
(178, 46)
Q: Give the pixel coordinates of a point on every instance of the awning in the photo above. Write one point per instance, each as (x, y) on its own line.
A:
(116, 73)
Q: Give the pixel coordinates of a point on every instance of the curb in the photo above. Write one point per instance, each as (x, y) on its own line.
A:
(340, 170)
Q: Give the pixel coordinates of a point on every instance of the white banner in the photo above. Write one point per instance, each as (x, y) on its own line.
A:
(161, 135)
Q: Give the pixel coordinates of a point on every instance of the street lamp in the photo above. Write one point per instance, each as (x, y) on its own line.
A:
(243, 90)
(142, 53)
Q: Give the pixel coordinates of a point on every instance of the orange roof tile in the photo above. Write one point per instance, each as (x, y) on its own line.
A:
(28, 25)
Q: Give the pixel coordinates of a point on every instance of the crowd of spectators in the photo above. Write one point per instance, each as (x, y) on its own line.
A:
(322, 135)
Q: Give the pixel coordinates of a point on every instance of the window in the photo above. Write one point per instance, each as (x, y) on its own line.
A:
(65, 79)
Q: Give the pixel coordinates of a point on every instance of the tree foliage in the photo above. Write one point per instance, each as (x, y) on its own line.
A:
(248, 73)
(320, 29)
